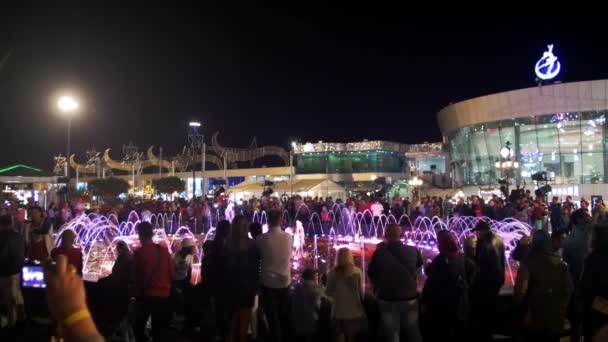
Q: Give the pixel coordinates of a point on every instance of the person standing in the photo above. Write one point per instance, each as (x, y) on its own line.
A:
(556, 214)
(393, 273)
(306, 306)
(153, 276)
(242, 274)
(344, 286)
(490, 260)
(117, 291)
(182, 283)
(38, 236)
(12, 256)
(544, 288)
(445, 297)
(275, 248)
(578, 244)
(594, 285)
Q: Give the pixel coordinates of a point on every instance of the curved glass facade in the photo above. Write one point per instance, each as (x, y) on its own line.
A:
(570, 147)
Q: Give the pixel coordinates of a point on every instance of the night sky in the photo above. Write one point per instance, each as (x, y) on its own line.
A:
(280, 75)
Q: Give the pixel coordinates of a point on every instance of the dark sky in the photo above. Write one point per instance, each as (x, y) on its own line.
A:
(276, 74)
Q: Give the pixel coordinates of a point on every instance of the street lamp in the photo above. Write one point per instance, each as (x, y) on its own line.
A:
(415, 183)
(197, 143)
(291, 153)
(68, 106)
(506, 166)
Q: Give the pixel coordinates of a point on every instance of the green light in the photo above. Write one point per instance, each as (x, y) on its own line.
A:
(6, 169)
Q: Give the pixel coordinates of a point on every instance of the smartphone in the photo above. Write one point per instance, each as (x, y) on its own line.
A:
(32, 276)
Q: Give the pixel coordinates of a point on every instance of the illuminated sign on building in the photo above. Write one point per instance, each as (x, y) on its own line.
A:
(547, 66)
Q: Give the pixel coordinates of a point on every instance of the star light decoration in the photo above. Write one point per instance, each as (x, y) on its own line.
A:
(60, 162)
(374, 145)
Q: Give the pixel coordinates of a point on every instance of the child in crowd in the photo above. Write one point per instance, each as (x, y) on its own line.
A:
(306, 305)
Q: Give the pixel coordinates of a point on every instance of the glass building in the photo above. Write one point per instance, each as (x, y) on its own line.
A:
(350, 162)
(560, 129)
(375, 157)
(568, 146)
(355, 157)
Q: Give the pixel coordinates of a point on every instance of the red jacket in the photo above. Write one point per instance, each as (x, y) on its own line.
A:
(158, 273)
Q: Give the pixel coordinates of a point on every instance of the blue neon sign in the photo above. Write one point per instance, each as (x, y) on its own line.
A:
(547, 66)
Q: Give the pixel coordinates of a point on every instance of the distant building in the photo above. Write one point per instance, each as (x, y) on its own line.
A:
(560, 129)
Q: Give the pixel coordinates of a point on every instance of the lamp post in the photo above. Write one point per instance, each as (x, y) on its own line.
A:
(506, 166)
(197, 143)
(68, 105)
(291, 153)
(415, 183)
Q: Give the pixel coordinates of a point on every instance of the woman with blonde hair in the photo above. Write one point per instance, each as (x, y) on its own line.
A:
(344, 286)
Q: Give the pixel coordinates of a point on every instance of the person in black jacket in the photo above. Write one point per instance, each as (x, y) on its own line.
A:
(12, 256)
(490, 260)
(445, 298)
(216, 278)
(241, 278)
(594, 285)
(393, 272)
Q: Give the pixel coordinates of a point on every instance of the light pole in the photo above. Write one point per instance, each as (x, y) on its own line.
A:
(415, 183)
(291, 153)
(197, 143)
(506, 166)
(68, 105)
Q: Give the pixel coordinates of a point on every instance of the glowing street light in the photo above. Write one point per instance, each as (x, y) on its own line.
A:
(196, 140)
(415, 182)
(506, 166)
(68, 105)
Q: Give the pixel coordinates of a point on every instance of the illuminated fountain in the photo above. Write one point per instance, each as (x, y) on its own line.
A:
(315, 242)
(362, 231)
(97, 236)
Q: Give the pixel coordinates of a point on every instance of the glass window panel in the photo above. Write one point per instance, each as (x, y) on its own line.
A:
(592, 128)
(551, 163)
(360, 162)
(593, 167)
(479, 148)
(569, 132)
(528, 148)
(493, 140)
(507, 132)
(547, 134)
(461, 144)
(571, 167)
(311, 163)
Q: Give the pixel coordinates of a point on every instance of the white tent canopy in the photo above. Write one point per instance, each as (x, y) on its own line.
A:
(303, 187)
(311, 188)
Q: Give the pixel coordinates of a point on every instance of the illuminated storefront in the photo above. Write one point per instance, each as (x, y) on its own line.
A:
(560, 129)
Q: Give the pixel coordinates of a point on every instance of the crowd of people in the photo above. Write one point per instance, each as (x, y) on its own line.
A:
(246, 290)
